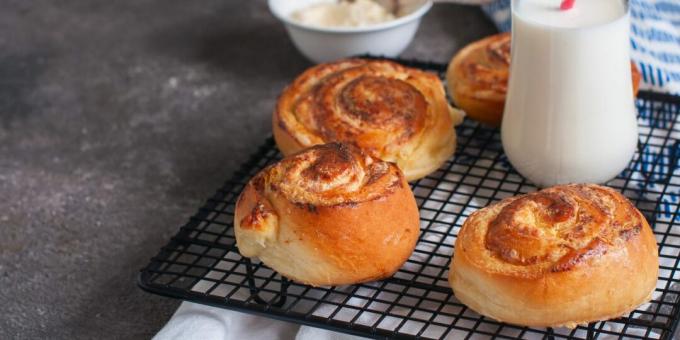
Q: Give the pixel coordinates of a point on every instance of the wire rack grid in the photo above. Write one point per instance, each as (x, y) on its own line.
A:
(201, 263)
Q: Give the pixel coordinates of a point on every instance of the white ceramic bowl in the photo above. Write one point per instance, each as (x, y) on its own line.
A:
(322, 44)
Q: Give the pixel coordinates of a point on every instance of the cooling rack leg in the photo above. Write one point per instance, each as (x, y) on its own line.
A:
(551, 334)
(251, 283)
(283, 293)
(591, 331)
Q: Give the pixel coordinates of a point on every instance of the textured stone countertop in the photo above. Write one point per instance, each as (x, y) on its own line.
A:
(117, 120)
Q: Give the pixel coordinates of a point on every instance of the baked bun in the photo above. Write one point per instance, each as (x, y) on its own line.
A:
(329, 215)
(392, 112)
(562, 256)
(477, 78)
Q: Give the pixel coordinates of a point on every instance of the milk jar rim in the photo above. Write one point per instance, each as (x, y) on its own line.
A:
(624, 16)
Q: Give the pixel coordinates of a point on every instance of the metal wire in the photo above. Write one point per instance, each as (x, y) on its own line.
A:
(202, 264)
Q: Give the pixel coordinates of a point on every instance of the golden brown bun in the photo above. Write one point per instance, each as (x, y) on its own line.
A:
(395, 113)
(329, 215)
(562, 256)
(477, 78)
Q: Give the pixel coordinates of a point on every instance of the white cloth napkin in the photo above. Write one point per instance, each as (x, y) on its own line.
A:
(193, 321)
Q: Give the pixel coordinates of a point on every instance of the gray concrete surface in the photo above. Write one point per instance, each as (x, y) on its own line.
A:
(117, 119)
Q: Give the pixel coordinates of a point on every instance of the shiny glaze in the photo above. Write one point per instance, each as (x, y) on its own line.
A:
(328, 175)
(378, 106)
(556, 229)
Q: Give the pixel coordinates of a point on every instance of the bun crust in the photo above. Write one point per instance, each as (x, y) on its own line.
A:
(562, 256)
(330, 215)
(477, 78)
(478, 75)
(392, 112)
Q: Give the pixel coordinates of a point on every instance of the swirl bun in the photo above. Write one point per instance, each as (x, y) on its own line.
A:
(478, 75)
(562, 256)
(329, 215)
(395, 113)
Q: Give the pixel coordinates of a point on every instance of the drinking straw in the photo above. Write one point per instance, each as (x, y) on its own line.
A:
(567, 4)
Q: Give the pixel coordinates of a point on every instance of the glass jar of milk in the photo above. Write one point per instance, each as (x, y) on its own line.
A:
(569, 114)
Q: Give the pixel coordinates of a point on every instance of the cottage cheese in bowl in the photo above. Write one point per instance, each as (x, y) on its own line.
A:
(355, 13)
(326, 30)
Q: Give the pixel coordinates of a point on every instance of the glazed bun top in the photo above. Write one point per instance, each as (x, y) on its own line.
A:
(390, 111)
(552, 230)
(331, 174)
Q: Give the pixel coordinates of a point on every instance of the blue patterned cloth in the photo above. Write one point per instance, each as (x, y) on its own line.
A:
(654, 40)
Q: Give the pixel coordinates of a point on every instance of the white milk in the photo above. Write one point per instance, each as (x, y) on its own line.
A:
(569, 114)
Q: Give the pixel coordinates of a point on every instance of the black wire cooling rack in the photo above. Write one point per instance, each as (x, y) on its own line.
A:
(201, 263)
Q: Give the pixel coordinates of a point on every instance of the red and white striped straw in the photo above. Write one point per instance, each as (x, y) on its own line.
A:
(567, 4)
